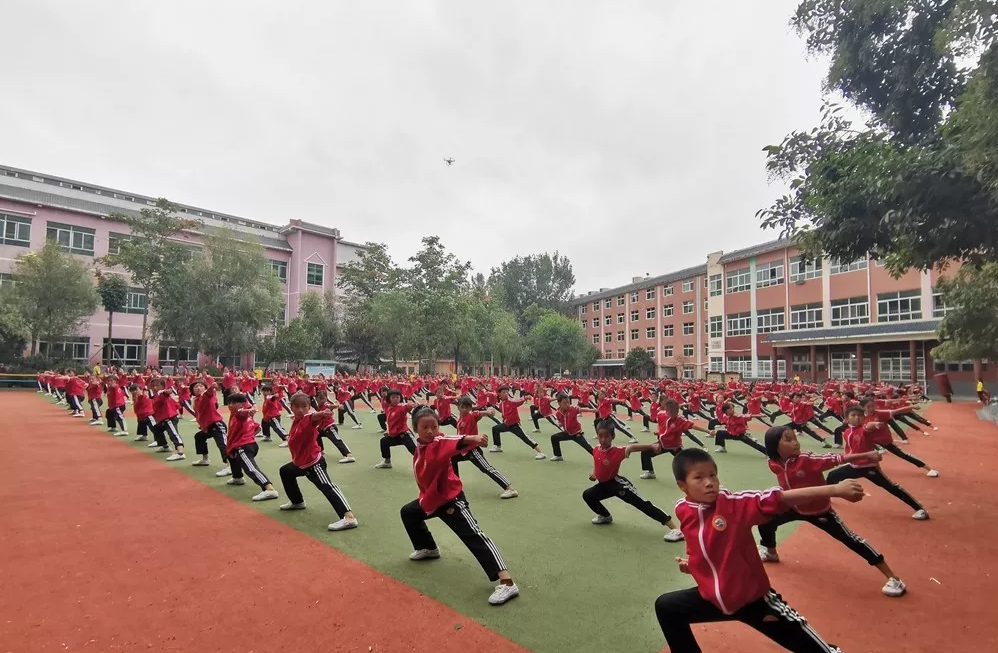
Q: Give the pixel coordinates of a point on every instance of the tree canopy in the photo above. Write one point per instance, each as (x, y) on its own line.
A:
(544, 281)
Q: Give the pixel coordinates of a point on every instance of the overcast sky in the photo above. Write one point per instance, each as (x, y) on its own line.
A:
(626, 134)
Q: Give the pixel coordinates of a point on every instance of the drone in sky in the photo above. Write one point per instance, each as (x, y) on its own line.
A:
(449, 162)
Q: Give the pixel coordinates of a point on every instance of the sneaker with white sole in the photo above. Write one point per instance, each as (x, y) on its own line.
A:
(768, 556)
(504, 593)
(95, 422)
(111, 430)
(674, 535)
(267, 438)
(540, 456)
(236, 481)
(894, 588)
(720, 450)
(495, 449)
(283, 444)
(201, 463)
(825, 444)
(600, 519)
(935, 428)
(225, 471)
(933, 473)
(920, 515)
(141, 438)
(647, 475)
(355, 427)
(557, 459)
(346, 460)
(121, 433)
(161, 450)
(266, 495)
(925, 432)
(632, 441)
(343, 524)
(176, 456)
(292, 506)
(509, 494)
(152, 445)
(644, 430)
(425, 554)
(384, 464)
(535, 430)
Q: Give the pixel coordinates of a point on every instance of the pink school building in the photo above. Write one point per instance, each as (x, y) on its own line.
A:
(35, 207)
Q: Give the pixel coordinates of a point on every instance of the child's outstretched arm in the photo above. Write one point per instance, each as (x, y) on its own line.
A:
(850, 490)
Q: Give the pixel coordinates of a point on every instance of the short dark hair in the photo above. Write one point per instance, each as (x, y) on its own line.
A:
(392, 393)
(465, 402)
(235, 398)
(502, 388)
(420, 413)
(867, 400)
(854, 409)
(772, 440)
(561, 396)
(132, 388)
(198, 382)
(606, 425)
(686, 458)
(300, 399)
(266, 388)
(670, 404)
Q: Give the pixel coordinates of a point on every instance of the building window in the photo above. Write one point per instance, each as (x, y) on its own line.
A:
(621, 353)
(620, 300)
(595, 322)
(739, 324)
(582, 309)
(650, 333)
(667, 351)
(114, 241)
(805, 316)
(800, 363)
(649, 293)
(716, 327)
(634, 316)
(649, 313)
(716, 364)
(607, 303)
(122, 351)
(584, 324)
(595, 338)
(800, 271)
(705, 306)
(769, 320)
(687, 308)
(837, 267)
(896, 366)
(634, 296)
(607, 320)
(842, 365)
(957, 366)
(855, 310)
(77, 349)
(688, 285)
(688, 371)
(687, 350)
(764, 369)
(314, 273)
(136, 301)
(739, 281)
(620, 318)
(607, 337)
(651, 351)
(76, 240)
(667, 290)
(667, 331)
(620, 336)
(180, 355)
(715, 285)
(740, 364)
(769, 274)
(899, 306)
(15, 231)
(667, 310)
(939, 307)
(634, 334)
(280, 269)
(595, 306)
(687, 328)
(7, 280)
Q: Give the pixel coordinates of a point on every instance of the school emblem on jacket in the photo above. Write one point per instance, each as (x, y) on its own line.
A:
(720, 523)
(606, 461)
(800, 473)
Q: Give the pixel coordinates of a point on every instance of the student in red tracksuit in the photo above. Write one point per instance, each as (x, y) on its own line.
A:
(95, 397)
(142, 407)
(184, 397)
(540, 408)
(164, 413)
(731, 583)
(307, 460)
(671, 428)
(326, 426)
(115, 407)
(571, 431)
(735, 428)
(510, 409)
(859, 439)
(878, 421)
(241, 447)
(270, 419)
(441, 494)
(442, 403)
(75, 390)
(345, 400)
(210, 425)
(467, 424)
(796, 469)
(397, 430)
(609, 482)
(802, 414)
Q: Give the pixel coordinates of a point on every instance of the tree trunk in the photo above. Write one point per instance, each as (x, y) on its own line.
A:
(34, 344)
(110, 324)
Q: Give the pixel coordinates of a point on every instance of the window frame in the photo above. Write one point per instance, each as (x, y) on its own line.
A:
(16, 222)
(738, 281)
(54, 230)
(854, 316)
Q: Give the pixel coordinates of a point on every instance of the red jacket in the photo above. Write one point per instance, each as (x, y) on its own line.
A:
(242, 432)
(806, 470)
(670, 430)
(75, 386)
(206, 409)
(395, 417)
(859, 440)
(606, 464)
(510, 411)
(468, 424)
(142, 406)
(272, 407)
(435, 475)
(723, 558)
(570, 420)
(164, 406)
(303, 442)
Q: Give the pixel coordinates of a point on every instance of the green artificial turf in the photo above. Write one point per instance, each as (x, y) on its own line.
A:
(583, 587)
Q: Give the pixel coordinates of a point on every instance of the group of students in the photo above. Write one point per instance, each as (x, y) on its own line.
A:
(721, 554)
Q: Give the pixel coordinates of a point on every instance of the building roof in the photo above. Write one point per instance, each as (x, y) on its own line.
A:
(755, 250)
(648, 282)
(913, 329)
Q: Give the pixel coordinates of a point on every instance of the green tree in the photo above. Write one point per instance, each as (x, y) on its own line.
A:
(371, 273)
(639, 363)
(152, 250)
(541, 280)
(54, 293)
(319, 317)
(360, 334)
(294, 342)
(970, 329)
(13, 330)
(506, 342)
(176, 320)
(434, 283)
(917, 184)
(113, 291)
(557, 342)
(391, 316)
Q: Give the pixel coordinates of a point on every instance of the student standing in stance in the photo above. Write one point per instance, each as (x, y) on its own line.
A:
(671, 428)
(307, 460)
(241, 447)
(732, 584)
(609, 483)
(442, 495)
(397, 432)
(568, 415)
(467, 424)
(796, 469)
(510, 409)
(210, 425)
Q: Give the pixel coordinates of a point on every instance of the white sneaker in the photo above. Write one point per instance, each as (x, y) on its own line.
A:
(193, 419)
(495, 449)
(540, 456)
(225, 471)
(647, 475)
(894, 588)
(283, 444)
(236, 481)
(720, 450)
(632, 441)
(141, 438)
(111, 430)
(768, 556)
(95, 422)
(925, 432)
(921, 515)
(935, 428)
(293, 506)
(204, 462)
(600, 519)
(644, 430)
(674, 535)
(347, 459)
(355, 427)
(161, 450)
(535, 430)
(121, 433)
(267, 438)
(509, 494)
(266, 495)
(504, 593)
(556, 459)
(176, 456)
(384, 464)
(343, 525)
(933, 473)
(425, 554)
(836, 446)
